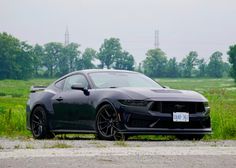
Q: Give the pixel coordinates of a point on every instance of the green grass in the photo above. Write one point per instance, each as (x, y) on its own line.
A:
(17, 146)
(121, 143)
(29, 146)
(221, 94)
(98, 144)
(60, 145)
(13, 98)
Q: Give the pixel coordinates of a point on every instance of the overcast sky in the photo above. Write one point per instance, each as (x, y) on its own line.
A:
(184, 25)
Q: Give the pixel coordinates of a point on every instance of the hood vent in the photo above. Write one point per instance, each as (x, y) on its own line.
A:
(166, 91)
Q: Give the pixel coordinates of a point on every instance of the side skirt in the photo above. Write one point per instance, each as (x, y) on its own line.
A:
(61, 131)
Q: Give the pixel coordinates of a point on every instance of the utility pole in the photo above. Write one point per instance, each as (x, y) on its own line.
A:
(156, 43)
(67, 36)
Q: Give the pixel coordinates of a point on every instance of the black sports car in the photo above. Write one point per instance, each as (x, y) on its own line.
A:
(113, 104)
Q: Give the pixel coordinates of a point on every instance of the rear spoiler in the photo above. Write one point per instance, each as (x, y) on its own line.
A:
(34, 89)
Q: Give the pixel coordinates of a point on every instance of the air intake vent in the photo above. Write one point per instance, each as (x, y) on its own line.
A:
(166, 91)
(170, 107)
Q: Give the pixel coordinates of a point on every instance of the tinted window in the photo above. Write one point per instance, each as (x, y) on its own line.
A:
(75, 79)
(121, 79)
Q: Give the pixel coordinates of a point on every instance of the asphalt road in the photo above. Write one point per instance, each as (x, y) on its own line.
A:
(93, 153)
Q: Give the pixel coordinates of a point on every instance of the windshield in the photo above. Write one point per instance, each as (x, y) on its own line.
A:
(121, 79)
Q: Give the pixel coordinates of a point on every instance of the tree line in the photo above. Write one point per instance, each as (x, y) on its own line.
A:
(157, 64)
(19, 60)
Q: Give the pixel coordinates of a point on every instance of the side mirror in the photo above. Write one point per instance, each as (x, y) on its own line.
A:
(166, 87)
(79, 86)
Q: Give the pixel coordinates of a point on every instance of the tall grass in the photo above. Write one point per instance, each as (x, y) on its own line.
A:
(221, 94)
(13, 121)
(13, 98)
(223, 113)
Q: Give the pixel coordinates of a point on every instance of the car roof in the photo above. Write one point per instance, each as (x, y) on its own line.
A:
(87, 71)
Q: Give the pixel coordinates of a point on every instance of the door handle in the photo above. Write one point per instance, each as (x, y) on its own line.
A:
(59, 99)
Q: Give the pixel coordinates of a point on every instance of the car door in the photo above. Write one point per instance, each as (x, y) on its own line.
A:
(71, 107)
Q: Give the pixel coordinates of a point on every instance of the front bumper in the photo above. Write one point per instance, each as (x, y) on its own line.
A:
(145, 131)
(140, 120)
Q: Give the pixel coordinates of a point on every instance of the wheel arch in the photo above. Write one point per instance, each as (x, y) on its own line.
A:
(35, 106)
(104, 102)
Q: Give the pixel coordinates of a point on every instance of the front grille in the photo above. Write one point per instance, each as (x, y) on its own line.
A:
(170, 107)
(191, 124)
(140, 121)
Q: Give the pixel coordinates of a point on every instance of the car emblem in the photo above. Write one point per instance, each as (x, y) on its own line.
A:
(179, 106)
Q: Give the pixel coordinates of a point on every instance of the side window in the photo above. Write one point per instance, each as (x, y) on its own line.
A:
(60, 84)
(75, 79)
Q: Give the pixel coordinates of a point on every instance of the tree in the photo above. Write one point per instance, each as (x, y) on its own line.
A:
(9, 48)
(87, 58)
(215, 66)
(188, 64)
(172, 69)
(226, 69)
(110, 49)
(124, 61)
(202, 68)
(53, 52)
(155, 63)
(24, 62)
(139, 69)
(71, 56)
(232, 60)
(37, 57)
(15, 58)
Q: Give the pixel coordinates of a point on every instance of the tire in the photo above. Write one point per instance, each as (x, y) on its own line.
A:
(189, 137)
(107, 124)
(39, 125)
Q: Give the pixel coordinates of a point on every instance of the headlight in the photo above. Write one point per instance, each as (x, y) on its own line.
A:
(134, 102)
(207, 108)
(206, 104)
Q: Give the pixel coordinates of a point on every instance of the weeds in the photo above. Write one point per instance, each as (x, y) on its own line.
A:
(17, 147)
(13, 121)
(98, 144)
(1, 147)
(121, 143)
(60, 145)
(2, 94)
(29, 146)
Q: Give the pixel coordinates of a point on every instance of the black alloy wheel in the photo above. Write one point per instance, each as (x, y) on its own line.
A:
(38, 124)
(107, 124)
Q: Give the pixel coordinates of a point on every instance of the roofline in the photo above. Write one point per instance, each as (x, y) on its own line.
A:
(87, 71)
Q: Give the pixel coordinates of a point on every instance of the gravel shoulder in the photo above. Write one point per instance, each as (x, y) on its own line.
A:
(96, 153)
(93, 143)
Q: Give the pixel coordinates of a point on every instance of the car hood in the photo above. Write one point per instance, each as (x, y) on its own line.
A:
(162, 94)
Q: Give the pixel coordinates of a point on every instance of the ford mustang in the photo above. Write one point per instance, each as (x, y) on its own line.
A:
(114, 104)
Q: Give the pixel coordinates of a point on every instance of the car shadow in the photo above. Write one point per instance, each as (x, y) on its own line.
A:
(141, 138)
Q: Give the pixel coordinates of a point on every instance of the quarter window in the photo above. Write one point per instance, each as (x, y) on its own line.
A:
(60, 84)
